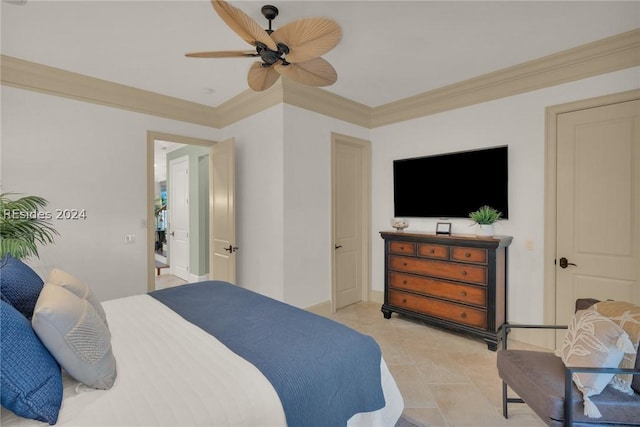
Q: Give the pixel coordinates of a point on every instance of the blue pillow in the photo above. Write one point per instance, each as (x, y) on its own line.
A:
(30, 378)
(20, 286)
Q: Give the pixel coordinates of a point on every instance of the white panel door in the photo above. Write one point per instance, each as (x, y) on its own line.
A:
(178, 206)
(223, 228)
(598, 218)
(348, 194)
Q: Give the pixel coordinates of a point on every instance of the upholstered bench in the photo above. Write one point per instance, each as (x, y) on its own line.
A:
(542, 380)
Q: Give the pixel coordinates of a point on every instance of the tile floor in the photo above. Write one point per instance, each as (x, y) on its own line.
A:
(166, 280)
(446, 379)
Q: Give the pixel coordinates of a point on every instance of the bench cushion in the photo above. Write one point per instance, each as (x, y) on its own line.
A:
(538, 378)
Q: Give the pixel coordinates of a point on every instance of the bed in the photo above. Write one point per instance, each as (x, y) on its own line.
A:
(215, 354)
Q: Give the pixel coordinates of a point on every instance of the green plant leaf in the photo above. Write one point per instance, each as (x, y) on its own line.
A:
(22, 226)
(485, 215)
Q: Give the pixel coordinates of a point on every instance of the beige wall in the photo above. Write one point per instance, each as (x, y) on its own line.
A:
(86, 156)
(517, 121)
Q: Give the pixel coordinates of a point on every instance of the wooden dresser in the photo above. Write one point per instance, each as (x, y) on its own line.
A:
(458, 282)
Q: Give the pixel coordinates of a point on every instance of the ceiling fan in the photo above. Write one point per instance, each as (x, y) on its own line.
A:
(293, 50)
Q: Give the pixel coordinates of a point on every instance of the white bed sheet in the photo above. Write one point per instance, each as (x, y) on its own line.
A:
(172, 373)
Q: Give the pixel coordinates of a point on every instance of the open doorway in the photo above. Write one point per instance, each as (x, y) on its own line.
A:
(165, 164)
(178, 209)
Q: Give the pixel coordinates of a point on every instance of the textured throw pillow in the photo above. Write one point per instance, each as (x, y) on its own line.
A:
(80, 289)
(627, 316)
(593, 341)
(19, 285)
(30, 378)
(77, 337)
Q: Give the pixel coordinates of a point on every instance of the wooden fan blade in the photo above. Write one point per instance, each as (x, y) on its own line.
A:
(316, 72)
(222, 54)
(243, 25)
(261, 78)
(308, 38)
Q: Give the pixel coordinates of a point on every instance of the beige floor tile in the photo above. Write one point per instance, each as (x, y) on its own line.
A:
(446, 378)
(430, 417)
(462, 405)
(166, 280)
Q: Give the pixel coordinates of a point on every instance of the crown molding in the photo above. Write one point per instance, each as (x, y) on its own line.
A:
(607, 55)
(329, 104)
(55, 81)
(603, 56)
(247, 104)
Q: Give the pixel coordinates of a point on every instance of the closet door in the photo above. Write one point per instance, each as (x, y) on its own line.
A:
(598, 207)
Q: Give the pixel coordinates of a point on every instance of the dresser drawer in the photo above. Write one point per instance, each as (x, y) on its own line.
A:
(433, 251)
(445, 270)
(469, 255)
(452, 291)
(406, 248)
(441, 309)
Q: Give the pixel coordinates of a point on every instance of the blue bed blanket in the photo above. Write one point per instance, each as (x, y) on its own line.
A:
(323, 372)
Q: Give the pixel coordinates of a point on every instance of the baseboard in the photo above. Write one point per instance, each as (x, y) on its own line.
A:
(376, 296)
(322, 309)
(325, 309)
(542, 338)
(193, 278)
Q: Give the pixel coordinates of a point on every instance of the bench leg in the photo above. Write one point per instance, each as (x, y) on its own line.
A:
(504, 400)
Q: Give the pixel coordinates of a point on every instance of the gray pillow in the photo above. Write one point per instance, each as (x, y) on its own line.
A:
(79, 288)
(76, 336)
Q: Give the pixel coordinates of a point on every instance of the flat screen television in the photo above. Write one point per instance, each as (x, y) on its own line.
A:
(452, 185)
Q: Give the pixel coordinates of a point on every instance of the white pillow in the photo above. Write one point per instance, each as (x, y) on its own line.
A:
(79, 288)
(593, 341)
(75, 335)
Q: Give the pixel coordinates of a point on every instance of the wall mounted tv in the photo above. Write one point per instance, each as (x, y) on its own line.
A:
(451, 185)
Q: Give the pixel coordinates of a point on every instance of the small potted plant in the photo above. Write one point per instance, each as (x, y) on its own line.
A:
(23, 225)
(484, 218)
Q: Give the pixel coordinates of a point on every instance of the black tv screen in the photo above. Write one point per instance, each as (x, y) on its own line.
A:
(452, 185)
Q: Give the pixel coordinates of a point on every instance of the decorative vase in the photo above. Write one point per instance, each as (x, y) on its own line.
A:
(399, 224)
(485, 230)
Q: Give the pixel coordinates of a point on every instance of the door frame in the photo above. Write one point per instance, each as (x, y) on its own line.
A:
(151, 137)
(550, 210)
(365, 244)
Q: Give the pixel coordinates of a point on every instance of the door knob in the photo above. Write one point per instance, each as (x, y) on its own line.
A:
(564, 263)
(172, 234)
(338, 246)
(231, 249)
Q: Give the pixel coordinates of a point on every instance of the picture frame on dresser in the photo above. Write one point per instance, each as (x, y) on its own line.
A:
(443, 228)
(458, 282)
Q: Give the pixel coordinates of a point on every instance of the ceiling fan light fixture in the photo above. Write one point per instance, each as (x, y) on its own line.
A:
(293, 50)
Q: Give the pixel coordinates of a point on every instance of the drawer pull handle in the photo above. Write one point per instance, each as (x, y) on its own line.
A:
(402, 248)
(404, 300)
(464, 273)
(463, 315)
(404, 282)
(404, 263)
(431, 251)
(463, 294)
(468, 254)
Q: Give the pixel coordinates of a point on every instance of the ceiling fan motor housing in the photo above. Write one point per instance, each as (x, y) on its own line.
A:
(270, 57)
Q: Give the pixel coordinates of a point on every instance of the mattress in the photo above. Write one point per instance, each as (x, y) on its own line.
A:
(172, 373)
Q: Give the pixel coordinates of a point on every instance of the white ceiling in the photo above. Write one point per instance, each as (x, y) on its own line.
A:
(389, 50)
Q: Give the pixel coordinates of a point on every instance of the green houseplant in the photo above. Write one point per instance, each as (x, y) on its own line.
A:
(484, 218)
(23, 225)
